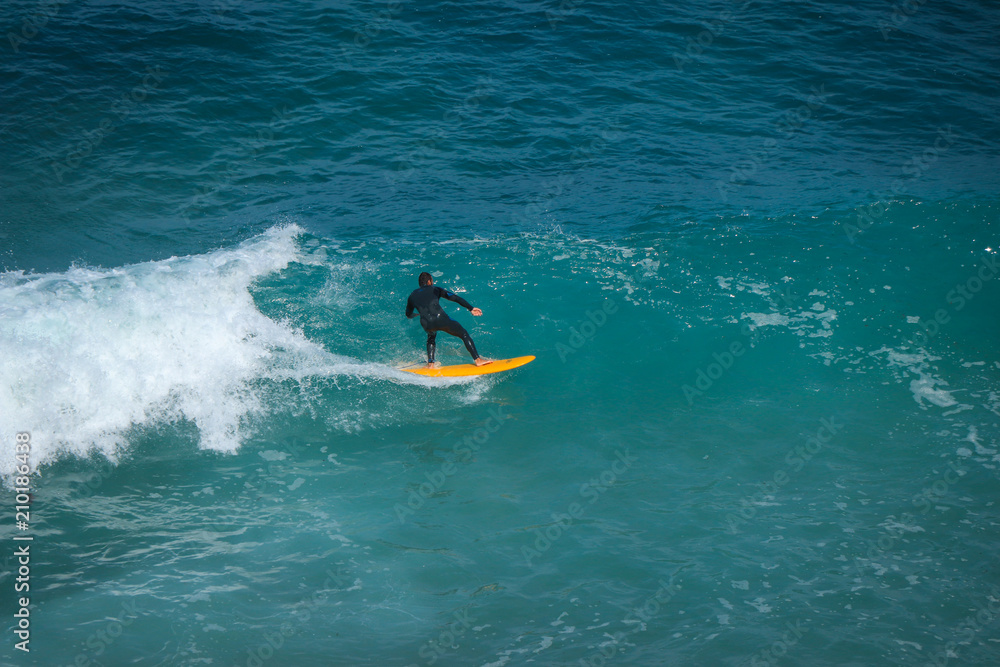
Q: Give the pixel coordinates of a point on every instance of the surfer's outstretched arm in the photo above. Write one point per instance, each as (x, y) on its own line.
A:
(451, 296)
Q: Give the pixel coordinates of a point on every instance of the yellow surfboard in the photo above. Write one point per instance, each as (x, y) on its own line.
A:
(471, 369)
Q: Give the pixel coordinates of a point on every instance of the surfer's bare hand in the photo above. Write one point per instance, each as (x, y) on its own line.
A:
(477, 312)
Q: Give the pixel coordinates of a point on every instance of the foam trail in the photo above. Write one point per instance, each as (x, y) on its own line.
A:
(89, 353)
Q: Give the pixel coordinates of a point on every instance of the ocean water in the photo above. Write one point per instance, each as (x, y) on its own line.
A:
(752, 245)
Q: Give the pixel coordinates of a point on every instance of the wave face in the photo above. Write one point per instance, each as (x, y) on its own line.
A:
(93, 355)
(285, 322)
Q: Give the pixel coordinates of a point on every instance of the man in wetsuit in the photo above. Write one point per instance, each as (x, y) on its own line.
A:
(433, 319)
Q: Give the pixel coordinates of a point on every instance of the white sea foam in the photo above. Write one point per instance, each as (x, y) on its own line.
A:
(766, 319)
(925, 387)
(88, 354)
(760, 605)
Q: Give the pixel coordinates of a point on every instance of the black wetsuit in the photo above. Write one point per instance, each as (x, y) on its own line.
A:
(434, 319)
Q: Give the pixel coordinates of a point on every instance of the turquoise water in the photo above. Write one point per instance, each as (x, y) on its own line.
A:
(753, 247)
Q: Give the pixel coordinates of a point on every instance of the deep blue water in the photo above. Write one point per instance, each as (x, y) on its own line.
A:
(752, 245)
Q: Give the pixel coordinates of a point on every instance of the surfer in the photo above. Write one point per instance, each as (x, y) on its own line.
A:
(433, 319)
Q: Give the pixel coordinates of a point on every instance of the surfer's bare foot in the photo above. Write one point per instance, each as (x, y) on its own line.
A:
(482, 361)
(433, 364)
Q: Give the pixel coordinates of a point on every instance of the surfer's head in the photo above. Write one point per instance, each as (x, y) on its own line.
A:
(425, 279)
